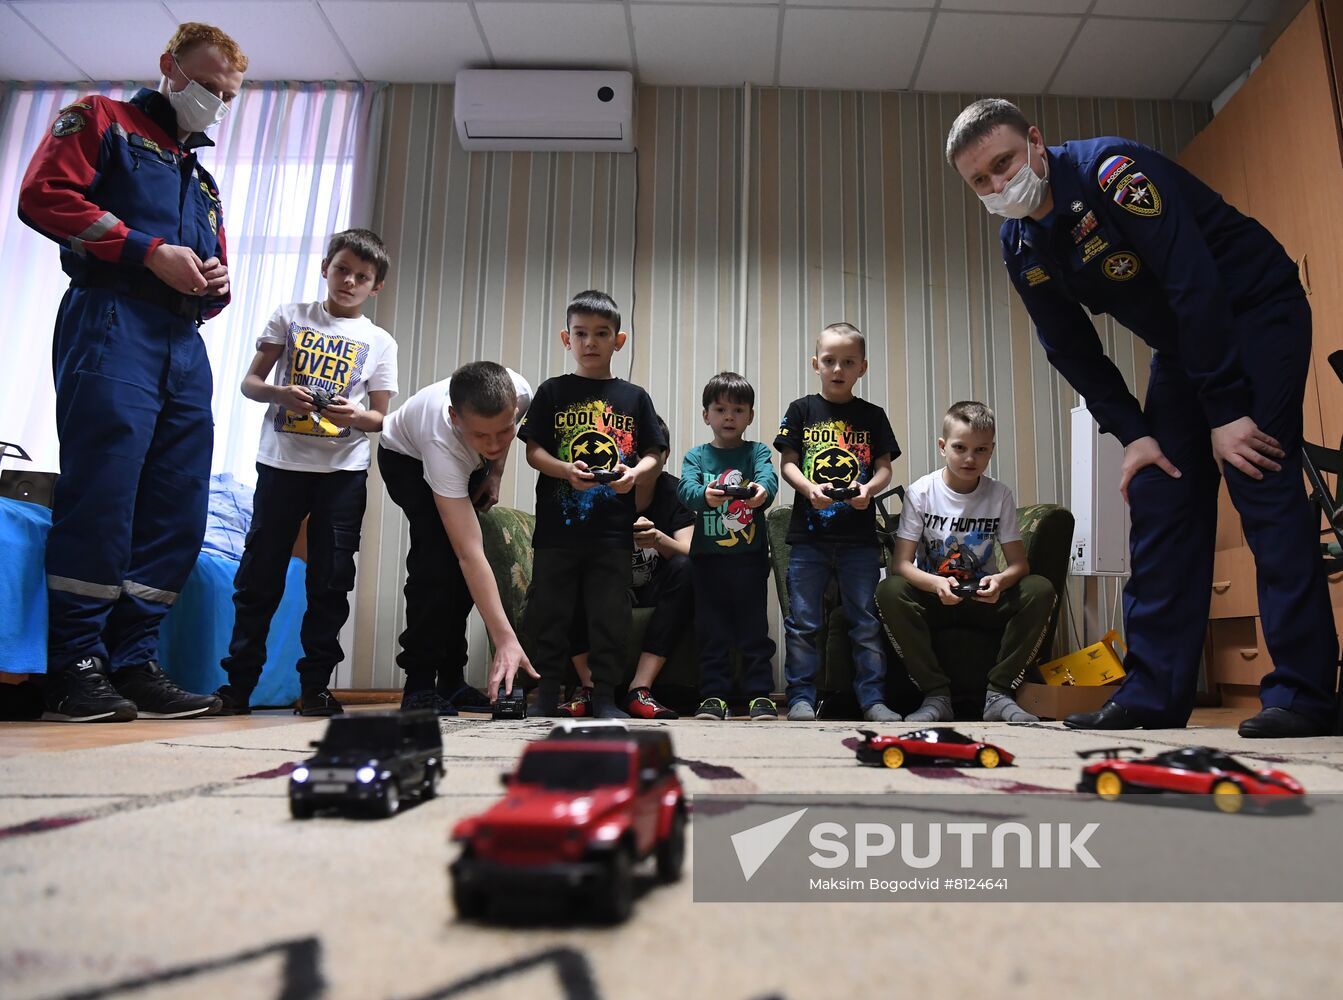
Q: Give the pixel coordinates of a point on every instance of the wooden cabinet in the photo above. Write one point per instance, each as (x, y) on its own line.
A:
(1274, 153)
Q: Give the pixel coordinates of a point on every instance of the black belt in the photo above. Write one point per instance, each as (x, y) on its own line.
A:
(144, 287)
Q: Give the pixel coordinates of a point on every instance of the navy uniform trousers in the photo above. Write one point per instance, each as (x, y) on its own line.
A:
(133, 389)
(1173, 536)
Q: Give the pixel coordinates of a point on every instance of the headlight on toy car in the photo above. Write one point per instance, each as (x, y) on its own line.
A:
(365, 775)
(300, 774)
(606, 833)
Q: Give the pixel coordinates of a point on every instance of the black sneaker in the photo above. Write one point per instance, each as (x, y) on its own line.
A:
(318, 703)
(764, 709)
(233, 701)
(712, 708)
(157, 697)
(429, 699)
(469, 698)
(82, 693)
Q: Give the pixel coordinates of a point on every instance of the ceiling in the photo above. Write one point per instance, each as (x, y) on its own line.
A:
(1189, 49)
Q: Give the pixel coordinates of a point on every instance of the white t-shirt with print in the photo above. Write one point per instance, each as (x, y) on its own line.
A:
(421, 428)
(347, 357)
(956, 531)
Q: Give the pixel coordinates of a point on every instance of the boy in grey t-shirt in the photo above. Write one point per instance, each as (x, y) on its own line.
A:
(945, 542)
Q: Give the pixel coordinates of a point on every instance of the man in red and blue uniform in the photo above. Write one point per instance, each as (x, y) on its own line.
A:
(1111, 226)
(141, 228)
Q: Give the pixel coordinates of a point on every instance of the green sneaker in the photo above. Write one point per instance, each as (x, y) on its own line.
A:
(712, 708)
(764, 708)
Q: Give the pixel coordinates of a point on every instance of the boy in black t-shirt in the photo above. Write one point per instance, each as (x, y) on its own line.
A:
(580, 424)
(836, 453)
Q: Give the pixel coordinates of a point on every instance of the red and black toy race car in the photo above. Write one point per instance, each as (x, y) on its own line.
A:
(1190, 771)
(926, 746)
(582, 808)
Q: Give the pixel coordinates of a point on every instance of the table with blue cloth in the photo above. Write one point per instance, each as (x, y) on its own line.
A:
(194, 636)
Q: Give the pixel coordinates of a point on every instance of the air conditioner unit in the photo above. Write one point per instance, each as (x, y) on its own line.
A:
(544, 110)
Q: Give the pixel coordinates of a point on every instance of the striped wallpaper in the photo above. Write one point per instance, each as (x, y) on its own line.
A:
(852, 215)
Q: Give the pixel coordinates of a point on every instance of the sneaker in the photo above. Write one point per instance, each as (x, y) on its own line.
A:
(764, 708)
(157, 697)
(712, 708)
(234, 701)
(642, 705)
(82, 693)
(429, 699)
(470, 698)
(319, 703)
(801, 711)
(878, 712)
(580, 705)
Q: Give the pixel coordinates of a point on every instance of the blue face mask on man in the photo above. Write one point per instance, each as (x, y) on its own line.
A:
(1023, 194)
(197, 109)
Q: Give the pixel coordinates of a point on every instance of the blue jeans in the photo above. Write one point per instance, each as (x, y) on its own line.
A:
(810, 568)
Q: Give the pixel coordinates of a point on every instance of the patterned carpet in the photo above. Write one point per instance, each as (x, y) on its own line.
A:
(172, 868)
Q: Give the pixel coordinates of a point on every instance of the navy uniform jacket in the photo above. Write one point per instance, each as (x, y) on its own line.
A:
(1137, 236)
(110, 182)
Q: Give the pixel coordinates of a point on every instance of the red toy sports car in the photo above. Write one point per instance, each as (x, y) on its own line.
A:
(928, 745)
(1189, 770)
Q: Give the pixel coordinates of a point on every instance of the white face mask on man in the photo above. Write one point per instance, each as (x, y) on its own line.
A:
(197, 109)
(1023, 194)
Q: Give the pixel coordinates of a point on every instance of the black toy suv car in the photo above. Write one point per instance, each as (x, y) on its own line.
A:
(370, 760)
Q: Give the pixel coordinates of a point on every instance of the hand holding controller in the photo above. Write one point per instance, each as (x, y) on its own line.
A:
(839, 493)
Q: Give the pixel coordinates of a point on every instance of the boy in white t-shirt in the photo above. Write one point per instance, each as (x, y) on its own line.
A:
(441, 455)
(335, 376)
(950, 521)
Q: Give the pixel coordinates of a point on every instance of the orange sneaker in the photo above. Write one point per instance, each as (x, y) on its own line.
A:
(642, 705)
(580, 705)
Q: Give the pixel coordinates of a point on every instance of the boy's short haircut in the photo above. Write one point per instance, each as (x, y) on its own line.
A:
(846, 330)
(483, 388)
(594, 303)
(973, 414)
(729, 387)
(364, 244)
(193, 34)
(981, 118)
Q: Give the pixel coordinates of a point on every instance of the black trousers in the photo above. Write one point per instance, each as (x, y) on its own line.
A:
(732, 612)
(433, 644)
(668, 592)
(600, 578)
(333, 502)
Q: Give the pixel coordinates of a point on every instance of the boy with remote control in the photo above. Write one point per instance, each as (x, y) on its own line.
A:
(579, 424)
(948, 571)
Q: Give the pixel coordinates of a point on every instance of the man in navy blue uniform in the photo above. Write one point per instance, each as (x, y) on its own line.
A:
(117, 184)
(1115, 227)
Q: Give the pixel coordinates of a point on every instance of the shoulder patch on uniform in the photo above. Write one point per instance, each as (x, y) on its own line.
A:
(1121, 265)
(1110, 168)
(76, 105)
(1035, 276)
(68, 123)
(1137, 194)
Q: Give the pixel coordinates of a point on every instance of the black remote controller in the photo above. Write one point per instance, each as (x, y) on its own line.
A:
(965, 589)
(510, 706)
(604, 475)
(838, 493)
(737, 492)
(321, 398)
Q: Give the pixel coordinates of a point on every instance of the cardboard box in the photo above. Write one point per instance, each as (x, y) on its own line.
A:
(1097, 664)
(1054, 701)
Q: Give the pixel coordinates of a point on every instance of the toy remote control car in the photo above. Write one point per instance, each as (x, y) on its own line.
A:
(1191, 771)
(580, 811)
(927, 745)
(605, 475)
(370, 760)
(587, 729)
(510, 706)
(839, 493)
(742, 492)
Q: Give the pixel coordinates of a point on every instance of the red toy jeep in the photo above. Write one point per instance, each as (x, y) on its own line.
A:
(580, 811)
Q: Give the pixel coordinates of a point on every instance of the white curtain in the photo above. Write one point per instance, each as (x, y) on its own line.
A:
(294, 163)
